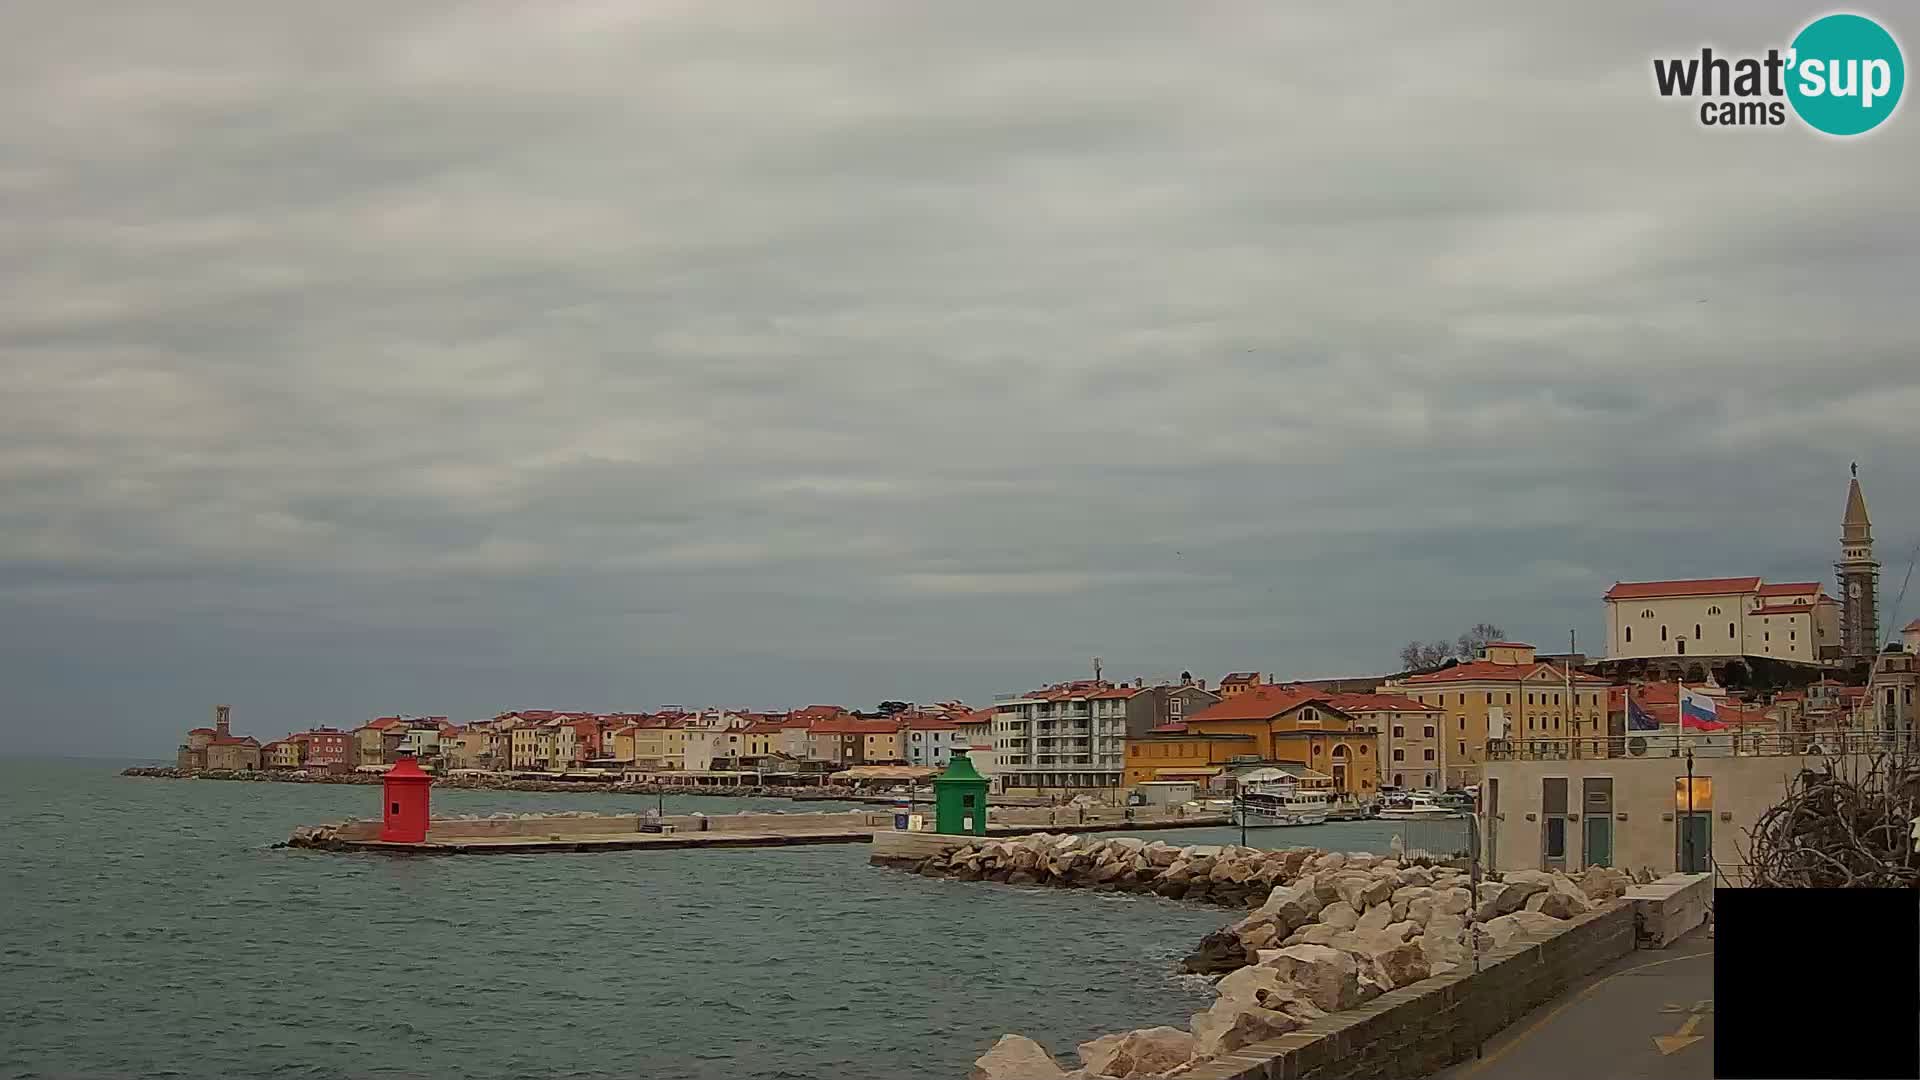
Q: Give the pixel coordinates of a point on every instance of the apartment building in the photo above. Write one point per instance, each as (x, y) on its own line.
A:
(1069, 738)
(1504, 695)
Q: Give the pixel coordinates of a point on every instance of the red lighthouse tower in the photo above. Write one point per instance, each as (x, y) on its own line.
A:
(405, 821)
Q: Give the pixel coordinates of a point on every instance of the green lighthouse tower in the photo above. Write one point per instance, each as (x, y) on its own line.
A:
(960, 798)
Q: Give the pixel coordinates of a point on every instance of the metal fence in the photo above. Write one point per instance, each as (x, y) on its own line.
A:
(1702, 744)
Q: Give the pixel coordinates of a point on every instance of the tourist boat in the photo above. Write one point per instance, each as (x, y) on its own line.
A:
(1415, 807)
(1262, 805)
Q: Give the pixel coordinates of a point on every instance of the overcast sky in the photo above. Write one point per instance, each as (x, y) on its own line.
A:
(446, 358)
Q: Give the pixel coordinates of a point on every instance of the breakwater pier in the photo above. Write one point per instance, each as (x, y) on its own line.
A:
(535, 833)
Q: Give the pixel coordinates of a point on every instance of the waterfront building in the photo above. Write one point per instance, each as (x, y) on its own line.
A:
(1069, 738)
(324, 748)
(1406, 736)
(1545, 807)
(217, 747)
(1173, 753)
(378, 741)
(763, 738)
(660, 744)
(1507, 693)
(930, 741)
(1889, 699)
(1295, 726)
(280, 754)
(854, 741)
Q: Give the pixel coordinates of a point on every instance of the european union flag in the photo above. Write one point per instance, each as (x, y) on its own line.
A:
(1639, 719)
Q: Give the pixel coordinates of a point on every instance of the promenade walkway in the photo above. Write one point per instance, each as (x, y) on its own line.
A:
(1648, 1014)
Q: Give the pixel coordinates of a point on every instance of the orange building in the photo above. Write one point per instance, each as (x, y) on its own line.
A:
(1276, 724)
(1238, 682)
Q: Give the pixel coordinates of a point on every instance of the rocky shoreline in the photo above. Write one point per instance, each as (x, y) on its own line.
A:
(1327, 931)
(825, 792)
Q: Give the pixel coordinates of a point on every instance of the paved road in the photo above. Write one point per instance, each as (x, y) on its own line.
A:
(1648, 1014)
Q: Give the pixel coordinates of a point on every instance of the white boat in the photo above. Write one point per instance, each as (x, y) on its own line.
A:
(1264, 805)
(1415, 807)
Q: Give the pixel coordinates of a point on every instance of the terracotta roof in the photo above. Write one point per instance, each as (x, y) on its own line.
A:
(1174, 728)
(1259, 703)
(1508, 645)
(765, 728)
(1911, 627)
(1239, 677)
(1358, 703)
(985, 716)
(1488, 671)
(1118, 693)
(203, 731)
(232, 740)
(1647, 590)
(930, 723)
(855, 727)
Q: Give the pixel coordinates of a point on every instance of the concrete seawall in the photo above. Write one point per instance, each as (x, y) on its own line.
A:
(622, 832)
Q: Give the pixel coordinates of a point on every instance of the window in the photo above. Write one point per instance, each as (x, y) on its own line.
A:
(1363, 749)
(1429, 753)
(1430, 731)
(1399, 755)
(1556, 699)
(1646, 613)
(1793, 635)
(1663, 632)
(1696, 631)
(1463, 699)
(1399, 732)
(1629, 633)
(1529, 723)
(1399, 779)
(1489, 697)
(1463, 751)
(1509, 699)
(1556, 838)
(1764, 636)
(1714, 610)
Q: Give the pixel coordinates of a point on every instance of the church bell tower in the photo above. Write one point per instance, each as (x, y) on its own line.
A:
(1859, 578)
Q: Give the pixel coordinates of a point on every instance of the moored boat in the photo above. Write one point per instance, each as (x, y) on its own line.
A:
(1272, 805)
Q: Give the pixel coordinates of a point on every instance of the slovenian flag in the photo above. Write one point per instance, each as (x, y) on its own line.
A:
(1698, 712)
(1639, 719)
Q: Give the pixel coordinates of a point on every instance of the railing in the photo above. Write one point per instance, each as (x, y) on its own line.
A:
(1657, 744)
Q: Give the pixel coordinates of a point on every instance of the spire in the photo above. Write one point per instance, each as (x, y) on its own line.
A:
(1855, 528)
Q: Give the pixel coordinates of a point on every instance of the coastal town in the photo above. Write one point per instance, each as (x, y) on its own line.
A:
(1749, 674)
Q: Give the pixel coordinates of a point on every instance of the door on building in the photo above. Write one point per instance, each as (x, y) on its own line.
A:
(1596, 806)
(1553, 825)
(1696, 842)
(1599, 841)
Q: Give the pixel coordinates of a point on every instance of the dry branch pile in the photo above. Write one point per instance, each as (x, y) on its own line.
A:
(1847, 825)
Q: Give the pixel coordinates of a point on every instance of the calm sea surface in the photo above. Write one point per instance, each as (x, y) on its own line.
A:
(149, 928)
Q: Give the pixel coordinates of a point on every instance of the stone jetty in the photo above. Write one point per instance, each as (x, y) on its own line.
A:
(1326, 931)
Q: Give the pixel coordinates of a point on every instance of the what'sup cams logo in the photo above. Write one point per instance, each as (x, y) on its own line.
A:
(1842, 75)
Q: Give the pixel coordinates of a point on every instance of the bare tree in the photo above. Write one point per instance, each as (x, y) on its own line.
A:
(1469, 644)
(1425, 656)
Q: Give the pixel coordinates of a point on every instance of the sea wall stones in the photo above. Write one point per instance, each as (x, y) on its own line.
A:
(1327, 933)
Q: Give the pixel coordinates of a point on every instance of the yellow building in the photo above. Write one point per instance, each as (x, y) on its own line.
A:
(883, 746)
(761, 739)
(281, 754)
(1280, 724)
(663, 748)
(1505, 695)
(1183, 755)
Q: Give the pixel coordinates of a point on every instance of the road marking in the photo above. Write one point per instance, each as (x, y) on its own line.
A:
(1704, 1005)
(1565, 1005)
(1679, 1040)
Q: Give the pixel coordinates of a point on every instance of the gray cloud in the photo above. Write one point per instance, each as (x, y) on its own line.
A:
(454, 357)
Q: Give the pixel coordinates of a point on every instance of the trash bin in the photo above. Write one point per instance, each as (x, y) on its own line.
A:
(900, 820)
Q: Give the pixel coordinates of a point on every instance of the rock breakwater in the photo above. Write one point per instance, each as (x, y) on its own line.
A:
(1327, 931)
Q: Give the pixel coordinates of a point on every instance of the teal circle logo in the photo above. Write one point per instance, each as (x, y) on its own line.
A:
(1845, 75)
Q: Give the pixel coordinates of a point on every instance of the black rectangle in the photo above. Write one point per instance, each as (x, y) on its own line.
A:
(1815, 983)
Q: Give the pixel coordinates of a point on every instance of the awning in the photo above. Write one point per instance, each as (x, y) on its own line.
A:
(886, 772)
(1168, 773)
